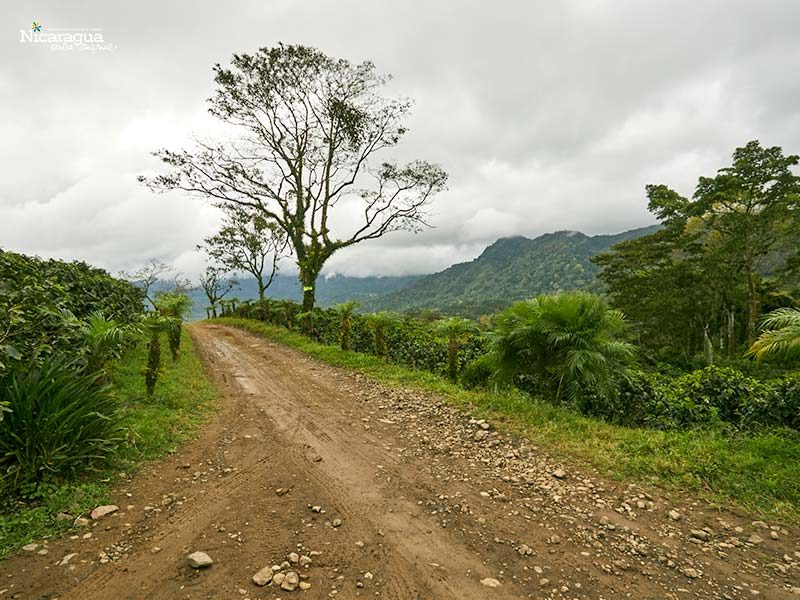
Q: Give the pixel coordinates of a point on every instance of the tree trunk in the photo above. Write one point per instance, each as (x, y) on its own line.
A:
(308, 280)
(731, 333)
(752, 308)
(452, 358)
(708, 347)
(261, 289)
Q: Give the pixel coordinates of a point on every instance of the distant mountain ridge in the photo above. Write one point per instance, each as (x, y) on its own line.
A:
(510, 269)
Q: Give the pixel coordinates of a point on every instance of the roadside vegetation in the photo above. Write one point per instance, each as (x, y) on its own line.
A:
(78, 389)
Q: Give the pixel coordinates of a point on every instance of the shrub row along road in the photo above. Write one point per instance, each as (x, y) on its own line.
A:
(388, 494)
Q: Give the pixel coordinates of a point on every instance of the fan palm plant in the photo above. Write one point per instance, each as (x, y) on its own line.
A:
(781, 336)
(568, 342)
(345, 312)
(456, 330)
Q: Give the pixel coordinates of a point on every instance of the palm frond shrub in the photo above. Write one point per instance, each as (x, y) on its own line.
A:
(61, 422)
(569, 343)
(455, 330)
(176, 306)
(153, 325)
(378, 323)
(103, 340)
(781, 335)
(345, 312)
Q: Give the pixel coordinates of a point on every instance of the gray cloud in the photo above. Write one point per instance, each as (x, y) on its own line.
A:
(547, 115)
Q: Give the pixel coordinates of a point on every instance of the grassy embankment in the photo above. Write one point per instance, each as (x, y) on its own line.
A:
(757, 473)
(183, 399)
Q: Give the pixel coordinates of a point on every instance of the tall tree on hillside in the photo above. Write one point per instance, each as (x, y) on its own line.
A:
(311, 127)
(250, 243)
(699, 278)
(746, 212)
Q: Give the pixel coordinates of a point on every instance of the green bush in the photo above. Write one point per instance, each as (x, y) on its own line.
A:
(42, 303)
(778, 407)
(61, 422)
(478, 373)
(725, 390)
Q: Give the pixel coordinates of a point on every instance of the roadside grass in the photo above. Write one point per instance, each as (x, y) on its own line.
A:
(183, 400)
(755, 473)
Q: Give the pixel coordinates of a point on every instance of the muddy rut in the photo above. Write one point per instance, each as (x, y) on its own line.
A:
(392, 494)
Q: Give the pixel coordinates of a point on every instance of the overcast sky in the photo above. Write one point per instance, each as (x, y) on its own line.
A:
(547, 115)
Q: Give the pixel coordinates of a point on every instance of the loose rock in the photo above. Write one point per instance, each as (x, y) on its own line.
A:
(199, 560)
(102, 511)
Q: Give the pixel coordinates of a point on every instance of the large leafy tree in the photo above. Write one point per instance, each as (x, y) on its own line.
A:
(741, 216)
(703, 277)
(249, 243)
(311, 128)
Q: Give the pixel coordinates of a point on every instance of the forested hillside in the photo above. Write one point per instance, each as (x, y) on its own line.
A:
(510, 269)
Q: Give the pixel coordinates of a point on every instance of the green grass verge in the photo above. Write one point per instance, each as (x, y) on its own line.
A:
(757, 473)
(183, 399)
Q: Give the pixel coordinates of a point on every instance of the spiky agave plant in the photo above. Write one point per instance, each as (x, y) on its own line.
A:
(345, 312)
(455, 330)
(569, 342)
(781, 335)
(176, 306)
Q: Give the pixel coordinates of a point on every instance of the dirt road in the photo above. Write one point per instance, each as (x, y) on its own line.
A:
(390, 495)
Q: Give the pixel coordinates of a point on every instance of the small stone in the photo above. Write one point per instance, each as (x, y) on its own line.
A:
(316, 509)
(337, 523)
(30, 547)
(755, 539)
(490, 582)
(263, 577)
(81, 522)
(293, 557)
(102, 511)
(305, 561)
(774, 535)
(199, 560)
(691, 573)
(290, 582)
(67, 558)
(360, 544)
(278, 578)
(304, 585)
(480, 435)
(674, 515)
(699, 534)
(559, 474)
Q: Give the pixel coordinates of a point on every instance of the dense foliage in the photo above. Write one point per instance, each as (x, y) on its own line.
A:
(722, 258)
(511, 269)
(40, 301)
